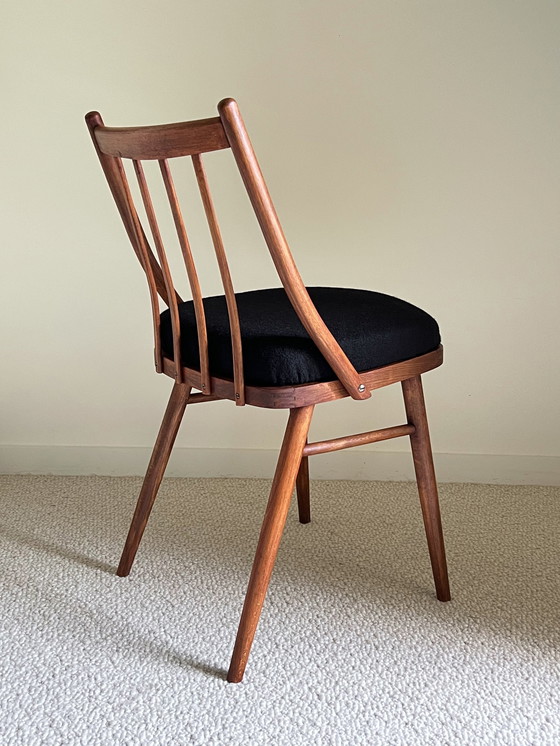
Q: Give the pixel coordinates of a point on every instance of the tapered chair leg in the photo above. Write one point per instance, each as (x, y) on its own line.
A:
(156, 468)
(271, 533)
(427, 485)
(302, 491)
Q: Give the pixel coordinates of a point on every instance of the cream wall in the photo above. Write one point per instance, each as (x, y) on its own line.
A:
(410, 147)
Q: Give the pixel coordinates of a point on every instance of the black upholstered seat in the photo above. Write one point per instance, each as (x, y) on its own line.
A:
(373, 329)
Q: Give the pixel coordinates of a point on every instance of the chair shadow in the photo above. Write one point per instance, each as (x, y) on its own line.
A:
(54, 550)
(148, 646)
(485, 592)
(164, 652)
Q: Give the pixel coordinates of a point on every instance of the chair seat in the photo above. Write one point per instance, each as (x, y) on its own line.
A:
(373, 329)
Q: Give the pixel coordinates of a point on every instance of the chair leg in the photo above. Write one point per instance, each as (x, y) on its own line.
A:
(271, 533)
(302, 490)
(427, 485)
(154, 474)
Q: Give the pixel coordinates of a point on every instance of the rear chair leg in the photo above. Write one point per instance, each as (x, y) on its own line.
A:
(427, 485)
(271, 533)
(302, 489)
(156, 468)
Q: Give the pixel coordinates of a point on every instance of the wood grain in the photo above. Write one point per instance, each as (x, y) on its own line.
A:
(280, 251)
(162, 140)
(192, 275)
(164, 264)
(359, 439)
(225, 275)
(290, 397)
(118, 184)
(427, 485)
(302, 491)
(156, 469)
(271, 533)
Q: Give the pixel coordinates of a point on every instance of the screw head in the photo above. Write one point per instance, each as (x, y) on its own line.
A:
(361, 388)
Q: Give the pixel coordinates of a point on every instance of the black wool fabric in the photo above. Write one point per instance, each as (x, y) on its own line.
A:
(373, 329)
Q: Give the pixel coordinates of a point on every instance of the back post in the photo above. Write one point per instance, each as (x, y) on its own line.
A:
(280, 251)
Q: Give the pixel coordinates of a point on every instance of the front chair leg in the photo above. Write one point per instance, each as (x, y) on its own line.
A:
(427, 485)
(156, 468)
(271, 533)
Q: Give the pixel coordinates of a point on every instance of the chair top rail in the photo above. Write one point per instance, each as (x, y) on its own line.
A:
(162, 141)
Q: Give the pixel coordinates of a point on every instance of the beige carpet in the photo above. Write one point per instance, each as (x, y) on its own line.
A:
(353, 647)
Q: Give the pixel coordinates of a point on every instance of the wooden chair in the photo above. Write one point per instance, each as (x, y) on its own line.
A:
(291, 347)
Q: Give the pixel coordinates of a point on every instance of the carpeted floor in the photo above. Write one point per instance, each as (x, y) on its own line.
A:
(353, 647)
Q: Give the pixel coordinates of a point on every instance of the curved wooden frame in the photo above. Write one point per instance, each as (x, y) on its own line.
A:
(281, 254)
(161, 143)
(291, 397)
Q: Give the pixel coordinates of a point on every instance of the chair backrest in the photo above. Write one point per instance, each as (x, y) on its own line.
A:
(168, 141)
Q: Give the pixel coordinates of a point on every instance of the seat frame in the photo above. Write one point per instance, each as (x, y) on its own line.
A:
(163, 142)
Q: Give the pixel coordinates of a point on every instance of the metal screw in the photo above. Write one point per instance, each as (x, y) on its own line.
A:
(361, 388)
(237, 396)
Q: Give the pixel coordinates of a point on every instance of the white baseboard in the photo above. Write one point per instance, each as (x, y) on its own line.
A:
(359, 464)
